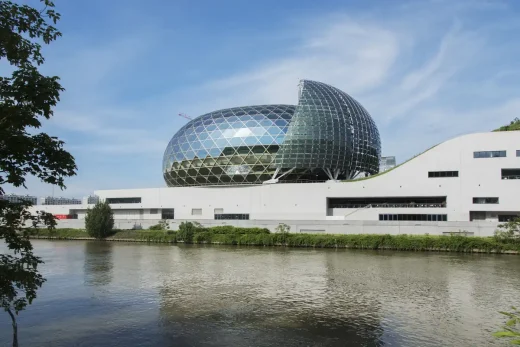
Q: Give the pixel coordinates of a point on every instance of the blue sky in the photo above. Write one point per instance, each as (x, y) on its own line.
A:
(425, 70)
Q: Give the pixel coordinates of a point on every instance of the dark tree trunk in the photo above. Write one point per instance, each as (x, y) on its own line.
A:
(15, 328)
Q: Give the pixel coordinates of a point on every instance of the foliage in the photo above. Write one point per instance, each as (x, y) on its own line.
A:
(26, 97)
(99, 221)
(262, 237)
(64, 233)
(283, 230)
(162, 225)
(511, 329)
(186, 232)
(514, 125)
(509, 231)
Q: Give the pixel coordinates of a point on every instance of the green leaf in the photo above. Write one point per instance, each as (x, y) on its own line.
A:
(511, 322)
(505, 334)
(515, 342)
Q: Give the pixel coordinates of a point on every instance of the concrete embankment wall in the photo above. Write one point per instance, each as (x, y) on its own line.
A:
(321, 226)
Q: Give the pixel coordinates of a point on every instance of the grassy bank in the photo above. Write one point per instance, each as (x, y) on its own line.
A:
(262, 237)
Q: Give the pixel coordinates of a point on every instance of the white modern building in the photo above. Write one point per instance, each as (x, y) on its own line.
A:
(316, 166)
(468, 183)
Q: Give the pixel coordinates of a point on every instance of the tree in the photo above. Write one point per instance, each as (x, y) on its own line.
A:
(186, 232)
(283, 229)
(26, 99)
(512, 328)
(99, 221)
(509, 231)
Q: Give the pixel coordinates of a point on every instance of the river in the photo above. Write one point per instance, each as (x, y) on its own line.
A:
(132, 294)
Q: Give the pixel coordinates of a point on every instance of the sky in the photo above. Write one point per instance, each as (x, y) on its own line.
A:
(426, 70)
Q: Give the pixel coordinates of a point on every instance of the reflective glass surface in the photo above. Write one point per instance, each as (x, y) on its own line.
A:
(330, 130)
(327, 135)
(230, 146)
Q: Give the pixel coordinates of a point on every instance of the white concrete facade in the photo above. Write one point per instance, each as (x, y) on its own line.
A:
(477, 178)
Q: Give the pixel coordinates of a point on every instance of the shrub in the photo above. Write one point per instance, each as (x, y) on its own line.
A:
(99, 221)
(509, 231)
(283, 230)
(162, 225)
(186, 232)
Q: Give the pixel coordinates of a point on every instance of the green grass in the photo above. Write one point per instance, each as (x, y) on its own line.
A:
(387, 171)
(513, 126)
(259, 237)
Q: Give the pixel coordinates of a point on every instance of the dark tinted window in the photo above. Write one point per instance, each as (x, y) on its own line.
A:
(388, 202)
(489, 154)
(123, 200)
(168, 213)
(231, 216)
(510, 174)
(415, 217)
(433, 174)
(485, 200)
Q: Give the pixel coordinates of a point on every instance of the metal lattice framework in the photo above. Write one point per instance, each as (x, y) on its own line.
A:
(330, 131)
(230, 146)
(328, 135)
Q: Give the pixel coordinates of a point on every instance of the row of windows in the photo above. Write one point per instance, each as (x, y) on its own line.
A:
(489, 154)
(507, 174)
(229, 216)
(123, 200)
(388, 202)
(415, 217)
(493, 154)
(443, 174)
(485, 200)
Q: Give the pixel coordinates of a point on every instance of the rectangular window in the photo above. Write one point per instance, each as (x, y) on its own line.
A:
(218, 211)
(167, 213)
(196, 212)
(123, 200)
(489, 154)
(154, 211)
(435, 174)
(415, 217)
(510, 174)
(388, 202)
(485, 200)
(232, 216)
(507, 218)
(518, 152)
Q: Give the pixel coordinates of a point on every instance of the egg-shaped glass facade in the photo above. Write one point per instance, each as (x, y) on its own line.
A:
(327, 136)
(230, 146)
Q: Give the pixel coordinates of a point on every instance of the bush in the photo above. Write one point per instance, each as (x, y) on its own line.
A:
(509, 231)
(186, 232)
(162, 225)
(99, 221)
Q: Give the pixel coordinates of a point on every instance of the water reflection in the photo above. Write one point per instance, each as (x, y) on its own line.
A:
(129, 295)
(98, 263)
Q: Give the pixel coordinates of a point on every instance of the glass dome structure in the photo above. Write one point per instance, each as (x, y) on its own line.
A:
(328, 135)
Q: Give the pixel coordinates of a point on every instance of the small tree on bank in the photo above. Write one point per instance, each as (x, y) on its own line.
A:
(99, 221)
(509, 231)
(284, 230)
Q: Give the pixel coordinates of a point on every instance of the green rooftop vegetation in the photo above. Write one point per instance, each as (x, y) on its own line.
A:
(514, 125)
(387, 171)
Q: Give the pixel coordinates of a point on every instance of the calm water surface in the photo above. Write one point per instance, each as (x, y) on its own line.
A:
(117, 294)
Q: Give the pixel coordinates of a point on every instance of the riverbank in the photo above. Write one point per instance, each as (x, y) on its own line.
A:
(262, 237)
